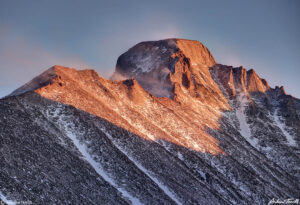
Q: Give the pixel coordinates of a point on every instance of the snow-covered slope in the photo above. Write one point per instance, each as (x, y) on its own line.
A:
(220, 135)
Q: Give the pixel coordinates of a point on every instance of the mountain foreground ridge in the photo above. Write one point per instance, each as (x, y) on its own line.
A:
(171, 126)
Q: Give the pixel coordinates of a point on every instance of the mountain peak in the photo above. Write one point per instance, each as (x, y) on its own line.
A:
(39, 81)
(168, 68)
(150, 55)
(157, 65)
(52, 75)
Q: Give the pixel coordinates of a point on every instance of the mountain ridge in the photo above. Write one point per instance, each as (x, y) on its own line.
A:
(27, 87)
(214, 134)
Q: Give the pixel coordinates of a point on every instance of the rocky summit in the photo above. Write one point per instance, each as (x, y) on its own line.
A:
(159, 65)
(171, 126)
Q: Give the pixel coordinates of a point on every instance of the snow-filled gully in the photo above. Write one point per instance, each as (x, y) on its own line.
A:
(139, 166)
(66, 127)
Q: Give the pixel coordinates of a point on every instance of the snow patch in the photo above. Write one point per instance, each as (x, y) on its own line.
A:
(203, 175)
(146, 64)
(289, 138)
(179, 155)
(242, 118)
(140, 127)
(5, 200)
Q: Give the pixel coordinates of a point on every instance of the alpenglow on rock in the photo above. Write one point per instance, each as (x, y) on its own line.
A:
(158, 65)
(178, 129)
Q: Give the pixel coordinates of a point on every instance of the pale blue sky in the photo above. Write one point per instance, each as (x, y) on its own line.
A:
(35, 35)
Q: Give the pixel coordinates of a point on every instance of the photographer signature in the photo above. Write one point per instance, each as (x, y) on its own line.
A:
(284, 201)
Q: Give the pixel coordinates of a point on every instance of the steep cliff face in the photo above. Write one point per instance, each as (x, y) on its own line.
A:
(179, 129)
(239, 80)
(159, 65)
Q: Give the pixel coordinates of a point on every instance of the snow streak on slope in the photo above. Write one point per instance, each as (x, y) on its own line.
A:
(98, 168)
(7, 201)
(289, 138)
(137, 164)
(69, 130)
(242, 118)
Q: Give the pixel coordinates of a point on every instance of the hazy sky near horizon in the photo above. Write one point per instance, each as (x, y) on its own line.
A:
(35, 35)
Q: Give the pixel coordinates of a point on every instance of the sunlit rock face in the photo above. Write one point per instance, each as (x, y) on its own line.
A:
(178, 128)
(159, 65)
(128, 105)
(239, 79)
